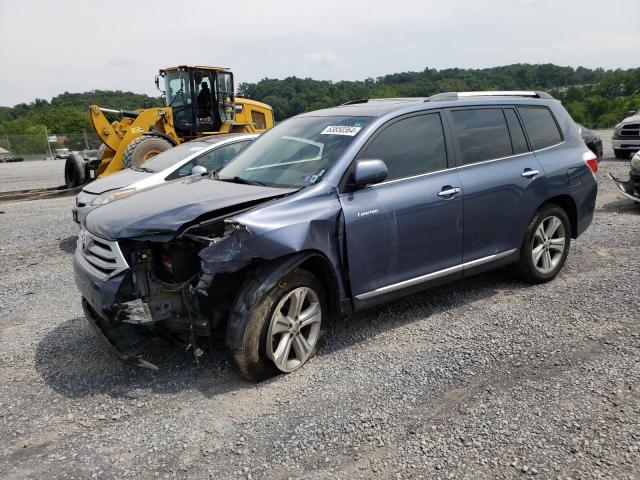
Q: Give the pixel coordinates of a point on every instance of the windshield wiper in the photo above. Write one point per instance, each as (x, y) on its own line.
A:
(144, 169)
(247, 182)
(238, 180)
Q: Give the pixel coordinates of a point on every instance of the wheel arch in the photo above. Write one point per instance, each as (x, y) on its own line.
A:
(568, 204)
(154, 133)
(262, 277)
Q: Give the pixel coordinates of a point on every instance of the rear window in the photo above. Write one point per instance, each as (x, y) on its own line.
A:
(482, 134)
(541, 127)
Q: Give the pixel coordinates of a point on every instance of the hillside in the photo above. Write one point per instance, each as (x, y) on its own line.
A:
(67, 112)
(594, 97)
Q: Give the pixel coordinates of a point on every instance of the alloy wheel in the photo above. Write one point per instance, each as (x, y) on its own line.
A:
(548, 244)
(294, 329)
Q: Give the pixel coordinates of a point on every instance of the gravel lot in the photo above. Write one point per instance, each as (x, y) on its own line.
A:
(485, 378)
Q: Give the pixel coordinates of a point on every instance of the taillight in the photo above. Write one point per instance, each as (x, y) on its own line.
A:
(591, 160)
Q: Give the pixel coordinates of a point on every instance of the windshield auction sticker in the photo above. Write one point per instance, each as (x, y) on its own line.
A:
(341, 130)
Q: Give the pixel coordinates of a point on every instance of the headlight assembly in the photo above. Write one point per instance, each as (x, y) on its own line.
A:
(107, 197)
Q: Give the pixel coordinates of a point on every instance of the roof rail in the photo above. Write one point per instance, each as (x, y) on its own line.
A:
(355, 102)
(382, 100)
(440, 97)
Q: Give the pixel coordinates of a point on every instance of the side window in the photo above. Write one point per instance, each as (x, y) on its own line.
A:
(482, 134)
(219, 157)
(518, 141)
(410, 146)
(183, 171)
(541, 127)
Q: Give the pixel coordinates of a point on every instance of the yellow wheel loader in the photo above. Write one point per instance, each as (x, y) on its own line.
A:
(200, 101)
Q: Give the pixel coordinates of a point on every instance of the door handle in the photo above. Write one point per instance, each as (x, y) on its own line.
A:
(528, 173)
(449, 191)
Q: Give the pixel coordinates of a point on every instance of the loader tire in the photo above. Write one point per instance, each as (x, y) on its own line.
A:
(101, 150)
(143, 148)
(75, 172)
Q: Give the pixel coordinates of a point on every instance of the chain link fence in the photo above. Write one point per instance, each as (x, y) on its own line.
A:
(46, 146)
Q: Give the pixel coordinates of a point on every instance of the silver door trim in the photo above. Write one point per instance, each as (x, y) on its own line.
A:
(434, 275)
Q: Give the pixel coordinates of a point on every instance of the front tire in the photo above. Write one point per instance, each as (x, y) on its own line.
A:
(283, 331)
(143, 148)
(545, 246)
(621, 154)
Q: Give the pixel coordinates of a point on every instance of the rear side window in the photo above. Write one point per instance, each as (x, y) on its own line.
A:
(541, 127)
(518, 140)
(410, 146)
(482, 134)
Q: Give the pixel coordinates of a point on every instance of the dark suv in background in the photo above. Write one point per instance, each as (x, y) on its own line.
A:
(332, 212)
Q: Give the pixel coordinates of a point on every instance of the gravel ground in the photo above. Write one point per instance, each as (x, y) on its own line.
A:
(485, 378)
(33, 174)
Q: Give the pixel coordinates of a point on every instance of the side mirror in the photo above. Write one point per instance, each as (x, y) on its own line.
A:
(368, 172)
(631, 113)
(199, 170)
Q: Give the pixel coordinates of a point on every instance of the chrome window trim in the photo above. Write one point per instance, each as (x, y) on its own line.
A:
(434, 275)
(550, 146)
(496, 159)
(512, 156)
(388, 182)
(409, 178)
(463, 166)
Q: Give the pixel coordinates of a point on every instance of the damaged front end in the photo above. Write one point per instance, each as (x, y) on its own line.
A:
(631, 188)
(135, 291)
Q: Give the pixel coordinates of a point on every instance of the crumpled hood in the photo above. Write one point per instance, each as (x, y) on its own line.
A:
(115, 180)
(166, 208)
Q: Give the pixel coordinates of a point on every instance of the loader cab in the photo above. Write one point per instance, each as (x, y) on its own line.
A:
(202, 99)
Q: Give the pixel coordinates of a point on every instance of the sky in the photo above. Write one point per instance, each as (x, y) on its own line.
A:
(49, 47)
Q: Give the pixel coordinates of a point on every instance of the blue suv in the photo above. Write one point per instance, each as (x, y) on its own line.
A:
(332, 212)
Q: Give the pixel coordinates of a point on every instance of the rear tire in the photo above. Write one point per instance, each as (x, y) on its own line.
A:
(75, 172)
(545, 246)
(143, 148)
(277, 337)
(621, 154)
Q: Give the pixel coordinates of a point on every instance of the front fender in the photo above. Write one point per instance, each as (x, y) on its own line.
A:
(257, 283)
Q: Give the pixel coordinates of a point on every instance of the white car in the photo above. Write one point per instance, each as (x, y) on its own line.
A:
(191, 158)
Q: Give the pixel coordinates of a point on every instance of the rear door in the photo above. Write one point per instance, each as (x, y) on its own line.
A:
(403, 228)
(501, 179)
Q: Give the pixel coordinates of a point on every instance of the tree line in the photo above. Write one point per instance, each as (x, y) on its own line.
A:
(597, 98)
(594, 97)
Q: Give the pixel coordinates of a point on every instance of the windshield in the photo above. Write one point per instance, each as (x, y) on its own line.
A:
(295, 153)
(170, 157)
(178, 89)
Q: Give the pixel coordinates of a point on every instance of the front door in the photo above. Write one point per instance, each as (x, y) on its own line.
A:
(410, 225)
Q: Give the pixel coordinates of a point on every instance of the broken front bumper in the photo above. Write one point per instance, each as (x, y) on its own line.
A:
(627, 189)
(123, 340)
